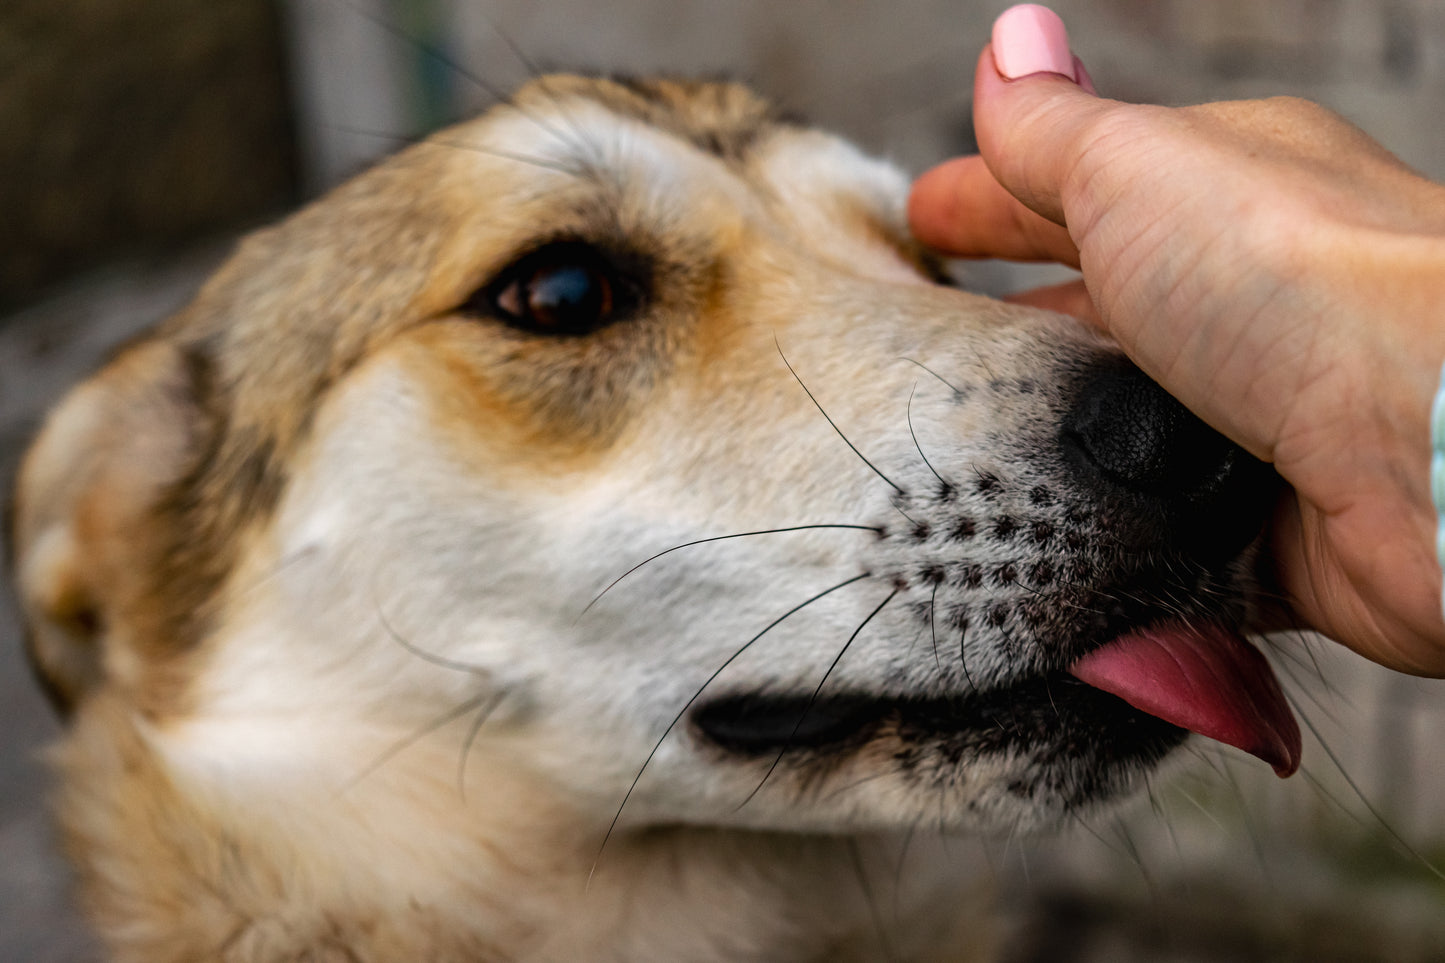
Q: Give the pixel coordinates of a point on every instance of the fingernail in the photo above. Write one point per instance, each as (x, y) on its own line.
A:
(1082, 78)
(1030, 39)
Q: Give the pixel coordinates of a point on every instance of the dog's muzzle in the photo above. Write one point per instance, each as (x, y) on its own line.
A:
(1136, 444)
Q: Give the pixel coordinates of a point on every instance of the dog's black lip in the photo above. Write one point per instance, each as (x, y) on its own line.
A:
(1053, 708)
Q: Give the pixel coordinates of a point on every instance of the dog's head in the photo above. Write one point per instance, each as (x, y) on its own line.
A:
(371, 485)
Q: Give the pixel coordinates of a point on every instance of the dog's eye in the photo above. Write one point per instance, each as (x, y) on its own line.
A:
(563, 289)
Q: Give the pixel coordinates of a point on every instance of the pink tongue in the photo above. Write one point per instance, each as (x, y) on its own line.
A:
(1206, 679)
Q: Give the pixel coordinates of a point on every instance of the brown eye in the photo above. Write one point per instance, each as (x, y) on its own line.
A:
(565, 288)
(559, 297)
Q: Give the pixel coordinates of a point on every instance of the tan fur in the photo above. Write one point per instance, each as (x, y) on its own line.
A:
(156, 510)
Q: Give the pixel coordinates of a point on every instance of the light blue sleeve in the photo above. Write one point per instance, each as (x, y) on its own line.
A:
(1437, 471)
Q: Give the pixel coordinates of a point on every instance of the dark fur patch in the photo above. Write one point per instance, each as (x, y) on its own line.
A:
(235, 481)
(722, 119)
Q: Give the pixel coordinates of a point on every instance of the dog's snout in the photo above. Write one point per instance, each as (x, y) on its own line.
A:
(1128, 435)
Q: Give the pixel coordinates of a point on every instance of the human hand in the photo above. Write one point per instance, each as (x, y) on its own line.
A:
(1268, 264)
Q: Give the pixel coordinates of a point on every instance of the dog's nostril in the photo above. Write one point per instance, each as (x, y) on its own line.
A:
(1136, 435)
(1127, 432)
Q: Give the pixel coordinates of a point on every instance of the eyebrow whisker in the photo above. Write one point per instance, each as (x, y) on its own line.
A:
(531, 160)
(572, 139)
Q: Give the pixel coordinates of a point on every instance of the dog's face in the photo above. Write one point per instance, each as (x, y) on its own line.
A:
(370, 486)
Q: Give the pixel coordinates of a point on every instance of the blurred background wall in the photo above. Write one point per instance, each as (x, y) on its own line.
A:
(138, 136)
(134, 124)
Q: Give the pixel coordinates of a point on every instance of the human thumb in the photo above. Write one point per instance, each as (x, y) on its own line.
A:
(1034, 109)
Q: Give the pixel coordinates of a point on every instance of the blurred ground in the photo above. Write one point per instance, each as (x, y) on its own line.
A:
(1221, 863)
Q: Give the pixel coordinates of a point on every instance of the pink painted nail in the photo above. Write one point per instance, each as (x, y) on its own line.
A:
(1030, 39)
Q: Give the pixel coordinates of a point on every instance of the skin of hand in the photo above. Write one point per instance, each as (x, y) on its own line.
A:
(1272, 267)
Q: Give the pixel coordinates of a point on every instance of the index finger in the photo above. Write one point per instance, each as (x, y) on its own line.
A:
(961, 210)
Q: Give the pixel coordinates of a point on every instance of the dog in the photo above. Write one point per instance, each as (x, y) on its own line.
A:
(601, 532)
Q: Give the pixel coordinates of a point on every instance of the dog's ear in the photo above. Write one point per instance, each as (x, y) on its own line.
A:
(83, 548)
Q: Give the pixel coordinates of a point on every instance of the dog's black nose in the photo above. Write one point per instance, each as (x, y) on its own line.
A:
(1130, 438)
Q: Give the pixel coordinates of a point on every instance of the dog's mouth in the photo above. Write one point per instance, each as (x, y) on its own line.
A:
(1204, 678)
(1136, 695)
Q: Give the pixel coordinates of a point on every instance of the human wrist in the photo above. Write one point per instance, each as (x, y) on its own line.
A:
(1391, 288)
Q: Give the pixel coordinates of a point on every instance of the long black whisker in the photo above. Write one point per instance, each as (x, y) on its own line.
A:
(814, 697)
(413, 737)
(1355, 788)
(482, 717)
(423, 654)
(1304, 643)
(1056, 598)
(465, 707)
(861, 872)
(541, 162)
(963, 663)
(1285, 659)
(481, 83)
(910, 518)
(697, 695)
(846, 789)
(716, 538)
(948, 486)
(896, 487)
(534, 72)
(1099, 837)
(1251, 828)
(1284, 666)
(1325, 793)
(1203, 810)
(421, 46)
(899, 867)
(1154, 804)
(933, 627)
(935, 374)
(1164, 817)
(1131, 848)
(1014, 835)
